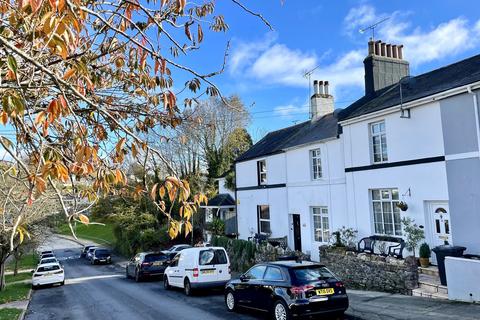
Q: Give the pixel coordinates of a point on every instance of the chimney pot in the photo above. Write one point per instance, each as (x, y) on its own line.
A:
(377, 47)
(400, 52)
(389, 50)
(316, 90)
(394, 51)
(326, 87)
(322, 87)
(384, 49)
(371, 47)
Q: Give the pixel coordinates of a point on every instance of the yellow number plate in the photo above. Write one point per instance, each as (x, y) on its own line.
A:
(157, 263)
(208, 271)
(324, 292)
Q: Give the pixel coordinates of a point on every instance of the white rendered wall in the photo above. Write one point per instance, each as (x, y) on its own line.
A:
(407, 139)
(305, 193)
(246, 172)
(463, 279)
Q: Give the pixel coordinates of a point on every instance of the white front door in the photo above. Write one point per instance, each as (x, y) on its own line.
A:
(440, 225)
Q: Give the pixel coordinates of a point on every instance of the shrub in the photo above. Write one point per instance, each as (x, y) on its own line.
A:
(345, 237)
(425, 250)
(216, 227)
(240, 252)
(414, 234)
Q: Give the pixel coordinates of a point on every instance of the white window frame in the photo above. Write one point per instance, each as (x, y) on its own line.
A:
(382, 135)
(260, 220)
(316, 154)
(391, 202)
(261, 172)
(322, 213)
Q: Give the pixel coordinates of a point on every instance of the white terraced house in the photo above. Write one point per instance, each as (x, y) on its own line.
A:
(409, 138)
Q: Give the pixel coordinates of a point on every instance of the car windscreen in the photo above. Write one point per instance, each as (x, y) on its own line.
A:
(312, 274)
(155, 257)
(102, 253)
(212, 256)
(91, 249)
(48, 268)
(47, 256)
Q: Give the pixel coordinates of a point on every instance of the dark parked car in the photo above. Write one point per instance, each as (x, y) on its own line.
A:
(147, 264)
(101, 255)
(83, 254)
(288, 289)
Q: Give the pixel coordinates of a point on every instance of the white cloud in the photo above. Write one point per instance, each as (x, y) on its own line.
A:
(421, 46)
(282, 65)
(290, 110)
(245, 52)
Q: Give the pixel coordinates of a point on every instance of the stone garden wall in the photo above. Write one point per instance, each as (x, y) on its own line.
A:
(371, 272)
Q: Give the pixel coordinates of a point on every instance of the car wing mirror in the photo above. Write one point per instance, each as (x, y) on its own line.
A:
(243, 278)
(33, 271)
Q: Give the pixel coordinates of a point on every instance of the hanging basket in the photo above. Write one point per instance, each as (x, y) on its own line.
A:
(402, 205)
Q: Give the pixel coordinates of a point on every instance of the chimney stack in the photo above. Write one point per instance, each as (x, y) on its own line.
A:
(384, 66)
(321, 103)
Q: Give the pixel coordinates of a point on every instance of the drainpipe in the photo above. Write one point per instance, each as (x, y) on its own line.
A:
(477, 119)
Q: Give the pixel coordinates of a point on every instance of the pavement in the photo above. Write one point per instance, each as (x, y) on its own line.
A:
(102, 292)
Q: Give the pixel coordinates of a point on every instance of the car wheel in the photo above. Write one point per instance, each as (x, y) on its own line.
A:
(187, 287)
(230, 301)
(62, 283)
(137, 276)
(166, 285)
(34, 287)
(281, 311)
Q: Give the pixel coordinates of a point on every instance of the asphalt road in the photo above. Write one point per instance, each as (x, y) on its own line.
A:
(102, 293)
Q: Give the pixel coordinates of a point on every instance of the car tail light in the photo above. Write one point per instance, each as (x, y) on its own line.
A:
(299, 292)
(58, 272)
(195, 272)
(146, 264)
(339, 284)
(36, 275)
(229, 270)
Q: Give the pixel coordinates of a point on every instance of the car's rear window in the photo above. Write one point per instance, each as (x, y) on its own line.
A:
(212, 256)
(155, 257)
(312, 273)
(49, 260)
(47, 256)
(48, 268)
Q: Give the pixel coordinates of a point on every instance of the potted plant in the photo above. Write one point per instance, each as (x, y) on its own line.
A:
(402, 205)
(424, 255)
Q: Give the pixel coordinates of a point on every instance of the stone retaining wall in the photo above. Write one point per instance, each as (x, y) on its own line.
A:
(371, 272)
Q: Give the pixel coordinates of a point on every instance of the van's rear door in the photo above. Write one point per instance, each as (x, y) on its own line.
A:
(213, 265)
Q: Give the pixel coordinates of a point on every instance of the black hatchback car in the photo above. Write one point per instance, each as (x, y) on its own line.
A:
(288, 289)
(148, 264)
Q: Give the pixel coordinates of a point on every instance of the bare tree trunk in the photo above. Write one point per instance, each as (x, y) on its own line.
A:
(17, 257)
(3, 262)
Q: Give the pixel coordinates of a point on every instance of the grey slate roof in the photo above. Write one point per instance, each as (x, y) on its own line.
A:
(449, 77)
(223, 199)
(299, 134)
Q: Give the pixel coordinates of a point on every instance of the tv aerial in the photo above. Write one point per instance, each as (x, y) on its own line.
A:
(372, 27)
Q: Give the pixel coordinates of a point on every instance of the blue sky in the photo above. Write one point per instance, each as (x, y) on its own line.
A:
(266, 68)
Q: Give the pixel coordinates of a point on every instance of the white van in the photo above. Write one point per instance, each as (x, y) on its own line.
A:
(195, 268)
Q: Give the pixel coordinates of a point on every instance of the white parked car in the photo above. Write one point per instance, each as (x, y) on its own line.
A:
(48, 260)
(197, 268)
(50, 273)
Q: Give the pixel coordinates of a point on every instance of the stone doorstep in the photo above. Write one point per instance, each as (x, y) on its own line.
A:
(431, 271)
(419, 292)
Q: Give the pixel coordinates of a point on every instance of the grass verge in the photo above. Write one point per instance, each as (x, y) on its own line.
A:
(27, 261)
(10, 313)
(94, 232)
(9, 278)
(14, 292)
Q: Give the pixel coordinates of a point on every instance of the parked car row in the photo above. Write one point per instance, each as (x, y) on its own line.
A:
(96, 255)
(48, 271)
(285, 289)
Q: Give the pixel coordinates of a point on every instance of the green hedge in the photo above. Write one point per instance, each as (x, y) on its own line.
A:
(240, 252)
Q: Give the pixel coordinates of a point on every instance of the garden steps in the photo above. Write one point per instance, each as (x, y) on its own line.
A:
(430, 287)
(431, 270)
